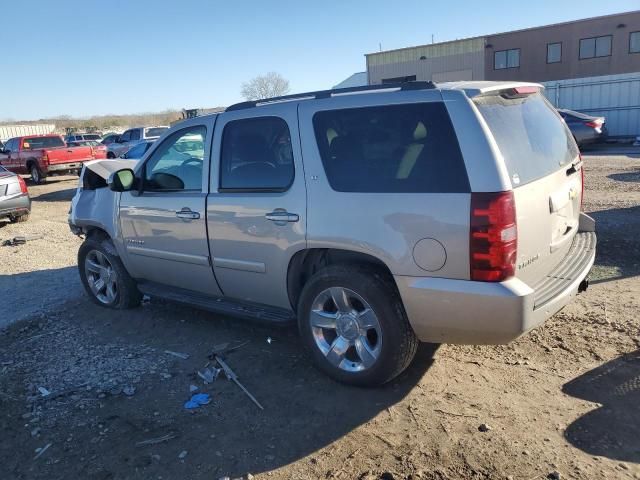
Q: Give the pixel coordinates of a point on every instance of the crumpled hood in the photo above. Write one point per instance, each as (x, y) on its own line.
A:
(104, 168)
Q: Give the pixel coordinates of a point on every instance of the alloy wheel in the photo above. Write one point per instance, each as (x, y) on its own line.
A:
(345, 329)
(101, 277)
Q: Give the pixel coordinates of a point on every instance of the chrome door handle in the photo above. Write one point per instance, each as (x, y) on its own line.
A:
(282, 216)
(187, 214)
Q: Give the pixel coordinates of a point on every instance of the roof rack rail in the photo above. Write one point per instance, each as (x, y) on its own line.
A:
(329, 93)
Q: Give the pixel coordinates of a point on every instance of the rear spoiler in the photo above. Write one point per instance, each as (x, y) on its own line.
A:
(475, 89)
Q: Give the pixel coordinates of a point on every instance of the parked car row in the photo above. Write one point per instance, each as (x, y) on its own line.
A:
(44, 155)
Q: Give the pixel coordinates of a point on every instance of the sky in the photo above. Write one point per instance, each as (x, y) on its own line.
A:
(95, 57)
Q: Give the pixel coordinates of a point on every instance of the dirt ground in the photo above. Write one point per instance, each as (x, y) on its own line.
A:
(561, 402)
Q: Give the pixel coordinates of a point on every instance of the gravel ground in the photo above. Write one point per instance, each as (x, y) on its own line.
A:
(561, 402)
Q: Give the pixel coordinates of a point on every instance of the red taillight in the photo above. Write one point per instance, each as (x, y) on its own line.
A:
(23, 185)
(594, 124)
(493, 236)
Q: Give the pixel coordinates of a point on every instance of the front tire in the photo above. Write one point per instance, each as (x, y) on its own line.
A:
(353, 323)
(104, 277)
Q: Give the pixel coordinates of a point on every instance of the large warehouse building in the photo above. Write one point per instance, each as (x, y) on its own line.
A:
(590, 65)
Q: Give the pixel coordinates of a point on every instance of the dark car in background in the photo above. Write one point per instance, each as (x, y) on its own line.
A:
(110, 138)
(15, 203)
(586, 129)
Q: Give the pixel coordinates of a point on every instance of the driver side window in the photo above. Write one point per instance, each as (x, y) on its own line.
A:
(177, 162)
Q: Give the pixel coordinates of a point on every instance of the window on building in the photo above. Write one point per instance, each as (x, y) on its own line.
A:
(634, 42)
(554, 52)
(506, 59)
(409, 78)
(256, 155)
(595, 47)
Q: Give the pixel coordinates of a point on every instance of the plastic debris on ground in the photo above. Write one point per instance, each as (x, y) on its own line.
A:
(197, 401)
(181, 355)
(209, 375)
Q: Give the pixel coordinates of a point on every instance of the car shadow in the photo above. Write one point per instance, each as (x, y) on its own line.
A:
(612, 430)
(56, 196)
(626, 176)
(618, 230)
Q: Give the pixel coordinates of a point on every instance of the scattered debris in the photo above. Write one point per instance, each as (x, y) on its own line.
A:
(183, 356)
(155, 441)
(209, 375)
(44, 392)
(21, 240)
(182, 455)
(484, 427)
(41, 451)
(454, 414)
(555, 475)
(197, 400)
(129, 390)
(269, 340)
(223, 348)
(193, 388)
(230, 374)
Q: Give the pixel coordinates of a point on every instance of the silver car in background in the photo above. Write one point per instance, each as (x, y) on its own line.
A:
(132, 137)
(15, 203)
(416, 212)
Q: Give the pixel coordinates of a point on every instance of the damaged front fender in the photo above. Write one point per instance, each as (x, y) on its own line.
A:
(94, 204)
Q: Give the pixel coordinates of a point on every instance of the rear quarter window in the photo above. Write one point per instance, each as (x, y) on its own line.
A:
(532, 138)
(408, 148)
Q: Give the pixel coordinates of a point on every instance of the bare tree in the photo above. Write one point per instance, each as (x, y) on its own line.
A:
(265, 86)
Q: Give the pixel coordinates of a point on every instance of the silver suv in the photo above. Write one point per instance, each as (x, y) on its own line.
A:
(377, 217)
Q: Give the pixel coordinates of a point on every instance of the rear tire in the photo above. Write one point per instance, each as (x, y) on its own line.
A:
(367, 340)
(104, 277)
(20, 218)
(36, 174)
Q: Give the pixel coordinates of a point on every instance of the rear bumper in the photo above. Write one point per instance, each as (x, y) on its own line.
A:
(18, 205)
(465, 312)
(64, 167)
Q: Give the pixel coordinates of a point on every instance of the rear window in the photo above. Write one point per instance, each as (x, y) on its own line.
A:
(155, 131)
(35, 143)
(408, 148)
(532, 138)
(91, 136)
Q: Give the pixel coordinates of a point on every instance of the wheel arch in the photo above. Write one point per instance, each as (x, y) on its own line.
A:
(305, 263)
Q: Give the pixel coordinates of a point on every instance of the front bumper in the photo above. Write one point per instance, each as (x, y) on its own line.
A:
(460, 311)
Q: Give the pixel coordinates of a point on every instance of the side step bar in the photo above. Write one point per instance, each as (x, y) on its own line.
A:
(220, 305)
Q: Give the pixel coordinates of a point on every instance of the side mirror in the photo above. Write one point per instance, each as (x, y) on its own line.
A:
(122, 180)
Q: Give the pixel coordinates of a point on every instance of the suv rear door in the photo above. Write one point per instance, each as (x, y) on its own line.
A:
(163, 225)
(544, 165)
(256, 211)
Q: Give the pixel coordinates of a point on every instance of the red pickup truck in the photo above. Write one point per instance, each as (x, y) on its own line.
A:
(45, 155)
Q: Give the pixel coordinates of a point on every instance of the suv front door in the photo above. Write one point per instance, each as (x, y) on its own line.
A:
(163, 225)
(256, 211)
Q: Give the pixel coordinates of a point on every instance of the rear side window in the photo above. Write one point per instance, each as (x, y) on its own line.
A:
(532, 138)
(256, 155)
(408, 148)
(155, 131)
(35, 143)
